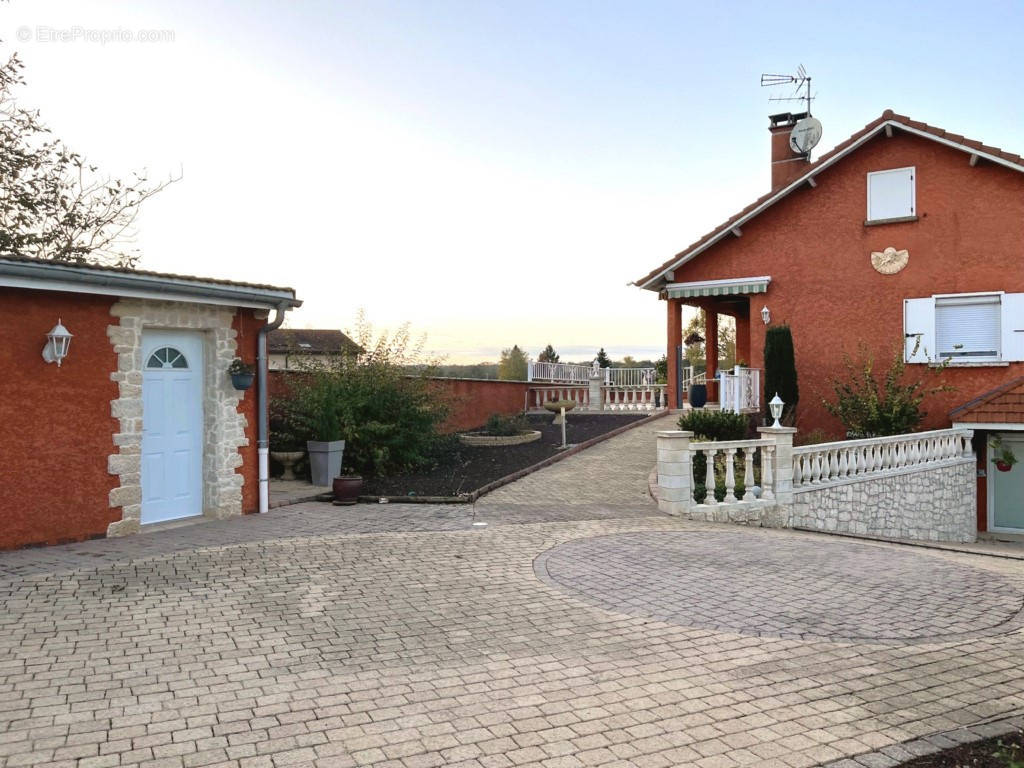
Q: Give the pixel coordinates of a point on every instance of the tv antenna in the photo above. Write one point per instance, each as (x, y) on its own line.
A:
(801, 80)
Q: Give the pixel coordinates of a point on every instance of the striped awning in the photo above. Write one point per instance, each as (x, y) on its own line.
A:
(738, 286)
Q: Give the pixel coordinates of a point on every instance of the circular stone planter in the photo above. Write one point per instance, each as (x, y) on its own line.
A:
(480, 439)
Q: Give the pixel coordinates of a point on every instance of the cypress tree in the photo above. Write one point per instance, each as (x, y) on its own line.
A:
(780, 370)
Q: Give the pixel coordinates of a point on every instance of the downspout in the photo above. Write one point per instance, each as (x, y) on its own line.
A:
(263, 430)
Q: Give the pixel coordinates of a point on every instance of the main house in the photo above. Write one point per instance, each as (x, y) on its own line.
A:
(117, 405)
(903, 235)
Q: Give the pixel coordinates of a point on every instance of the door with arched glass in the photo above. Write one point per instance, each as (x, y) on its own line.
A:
(172, 425)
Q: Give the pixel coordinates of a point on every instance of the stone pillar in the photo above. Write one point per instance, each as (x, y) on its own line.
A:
(675, 339)
(782, 469)
(711, 351)
(675, 472)
(596, 380)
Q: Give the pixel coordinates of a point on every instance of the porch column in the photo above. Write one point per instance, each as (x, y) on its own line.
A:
(711, 350)
(743, 337)
(674, 309)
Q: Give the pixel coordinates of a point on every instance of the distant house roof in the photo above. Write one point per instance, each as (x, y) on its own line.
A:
(75, 277)
(310, 342)
(889, 121)
(1002, 405)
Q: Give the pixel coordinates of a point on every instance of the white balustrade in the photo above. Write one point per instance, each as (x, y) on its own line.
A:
(630, 377)
(740, 389)
(559, 372)
(634, 398)
(536, 397)
(755, 453)
(831, 462)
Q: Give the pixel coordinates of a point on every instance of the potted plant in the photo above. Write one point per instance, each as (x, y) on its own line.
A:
(241, 374)
(347, 488)
(1002, 456)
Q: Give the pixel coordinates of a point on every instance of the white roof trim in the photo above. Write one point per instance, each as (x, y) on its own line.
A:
(792, 186)
(993, 426)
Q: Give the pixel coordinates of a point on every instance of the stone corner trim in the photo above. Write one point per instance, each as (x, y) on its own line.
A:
(223, 426)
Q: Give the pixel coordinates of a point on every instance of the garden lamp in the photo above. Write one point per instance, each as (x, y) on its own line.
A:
(57, 342)
(775, 405)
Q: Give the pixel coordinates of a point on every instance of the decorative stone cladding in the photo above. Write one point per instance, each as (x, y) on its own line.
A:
(223, 426)
(928, 504)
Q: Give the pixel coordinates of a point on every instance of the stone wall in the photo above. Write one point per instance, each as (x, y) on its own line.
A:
(935, 504)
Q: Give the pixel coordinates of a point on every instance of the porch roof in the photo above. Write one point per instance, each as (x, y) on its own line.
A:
(1002, 405)
(730, 287)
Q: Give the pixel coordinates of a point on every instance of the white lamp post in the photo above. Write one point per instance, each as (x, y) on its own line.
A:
(57, 342)
(766, 314)
(775, 405)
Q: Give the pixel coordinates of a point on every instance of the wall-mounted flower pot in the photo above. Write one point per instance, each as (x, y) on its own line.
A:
(242, 381)
(347, 489)
(324, 460)
(698, 395)
(1003, 466)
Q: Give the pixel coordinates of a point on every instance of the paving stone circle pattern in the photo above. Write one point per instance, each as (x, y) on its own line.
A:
(804, 588)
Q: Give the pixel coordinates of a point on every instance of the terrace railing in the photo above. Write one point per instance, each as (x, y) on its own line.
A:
(816, 465)
(570, 373)
(741, 390)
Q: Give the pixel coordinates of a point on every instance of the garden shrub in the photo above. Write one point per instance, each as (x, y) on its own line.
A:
(499, 425)
(869, 406)
(388, 417)
(714, 425)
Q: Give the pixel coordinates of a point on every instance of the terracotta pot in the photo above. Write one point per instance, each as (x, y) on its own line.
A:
(1003, 466)
(347, 488)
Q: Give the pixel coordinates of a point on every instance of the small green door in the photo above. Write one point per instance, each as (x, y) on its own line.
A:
(1006, 489)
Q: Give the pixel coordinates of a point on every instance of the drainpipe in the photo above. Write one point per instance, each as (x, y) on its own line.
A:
(263, 430)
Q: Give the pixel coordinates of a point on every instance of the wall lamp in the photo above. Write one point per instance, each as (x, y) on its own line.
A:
(57, 342)
(766, 314)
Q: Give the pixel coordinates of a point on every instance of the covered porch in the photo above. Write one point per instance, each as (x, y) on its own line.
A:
(739, 388)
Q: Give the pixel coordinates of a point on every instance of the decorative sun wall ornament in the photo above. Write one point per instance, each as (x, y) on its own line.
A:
(890, 261)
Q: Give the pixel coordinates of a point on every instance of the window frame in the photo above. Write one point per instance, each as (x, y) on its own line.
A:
(913, 194)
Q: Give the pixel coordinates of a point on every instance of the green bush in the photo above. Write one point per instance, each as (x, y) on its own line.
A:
(387, 417)
(869, 406)
(780, 371)
(714, 425)
(500, 425)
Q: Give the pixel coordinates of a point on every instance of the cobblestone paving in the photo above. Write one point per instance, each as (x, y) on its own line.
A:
(836, 590)
(403, 636)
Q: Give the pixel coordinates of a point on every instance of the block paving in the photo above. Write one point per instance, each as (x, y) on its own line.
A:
(406, 636)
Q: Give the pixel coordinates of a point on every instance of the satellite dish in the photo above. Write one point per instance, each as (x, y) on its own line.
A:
(805, 135)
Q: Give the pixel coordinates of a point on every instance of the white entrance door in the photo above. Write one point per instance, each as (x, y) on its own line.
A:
(1006, 489)
(172, 425)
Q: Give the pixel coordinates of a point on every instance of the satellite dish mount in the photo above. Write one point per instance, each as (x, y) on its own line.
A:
(807, 130)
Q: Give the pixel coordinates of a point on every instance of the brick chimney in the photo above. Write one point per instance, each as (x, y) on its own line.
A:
(787, 165)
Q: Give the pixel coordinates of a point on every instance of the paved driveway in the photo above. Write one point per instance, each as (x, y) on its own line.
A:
(406, 636)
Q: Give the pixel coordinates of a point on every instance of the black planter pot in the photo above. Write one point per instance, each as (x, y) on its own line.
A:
(242, 380)
(698, 395)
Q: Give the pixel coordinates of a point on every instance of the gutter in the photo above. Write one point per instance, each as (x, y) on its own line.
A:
(263, 429)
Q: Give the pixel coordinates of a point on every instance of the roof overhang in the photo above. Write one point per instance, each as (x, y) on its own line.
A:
(991, 426)
(55, 276)
(726, 231)
(732, 287)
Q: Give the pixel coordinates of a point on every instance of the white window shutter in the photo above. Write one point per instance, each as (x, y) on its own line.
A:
(919, 324)
(1013, 326)
(891, 194)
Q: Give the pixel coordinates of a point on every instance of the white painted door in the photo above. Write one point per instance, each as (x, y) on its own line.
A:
(1006, 489)
(172, 425)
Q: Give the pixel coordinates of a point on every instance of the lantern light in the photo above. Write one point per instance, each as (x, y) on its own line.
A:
(766, 314)
(775, 404)
(57, 342)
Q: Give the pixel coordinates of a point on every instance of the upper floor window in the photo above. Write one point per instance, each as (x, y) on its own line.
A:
(965, 328)
(891, 194)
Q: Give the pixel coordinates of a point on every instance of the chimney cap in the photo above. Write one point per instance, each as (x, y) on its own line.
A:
(785, 119)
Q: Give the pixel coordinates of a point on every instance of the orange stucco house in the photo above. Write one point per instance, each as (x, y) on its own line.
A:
(902, 235)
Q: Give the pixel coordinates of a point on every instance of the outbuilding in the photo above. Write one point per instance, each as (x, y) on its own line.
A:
(117, 405)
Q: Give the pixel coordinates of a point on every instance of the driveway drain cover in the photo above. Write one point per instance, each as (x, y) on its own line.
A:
(774, 586)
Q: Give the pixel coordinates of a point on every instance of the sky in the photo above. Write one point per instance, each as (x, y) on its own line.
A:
(493, 173)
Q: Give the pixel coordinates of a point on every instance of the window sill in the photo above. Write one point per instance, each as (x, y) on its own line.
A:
(972, 364)
(897, 220)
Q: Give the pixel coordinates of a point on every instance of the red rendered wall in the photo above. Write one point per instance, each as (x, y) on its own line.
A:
(814, 244)
(58, 429)
(247, 327)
